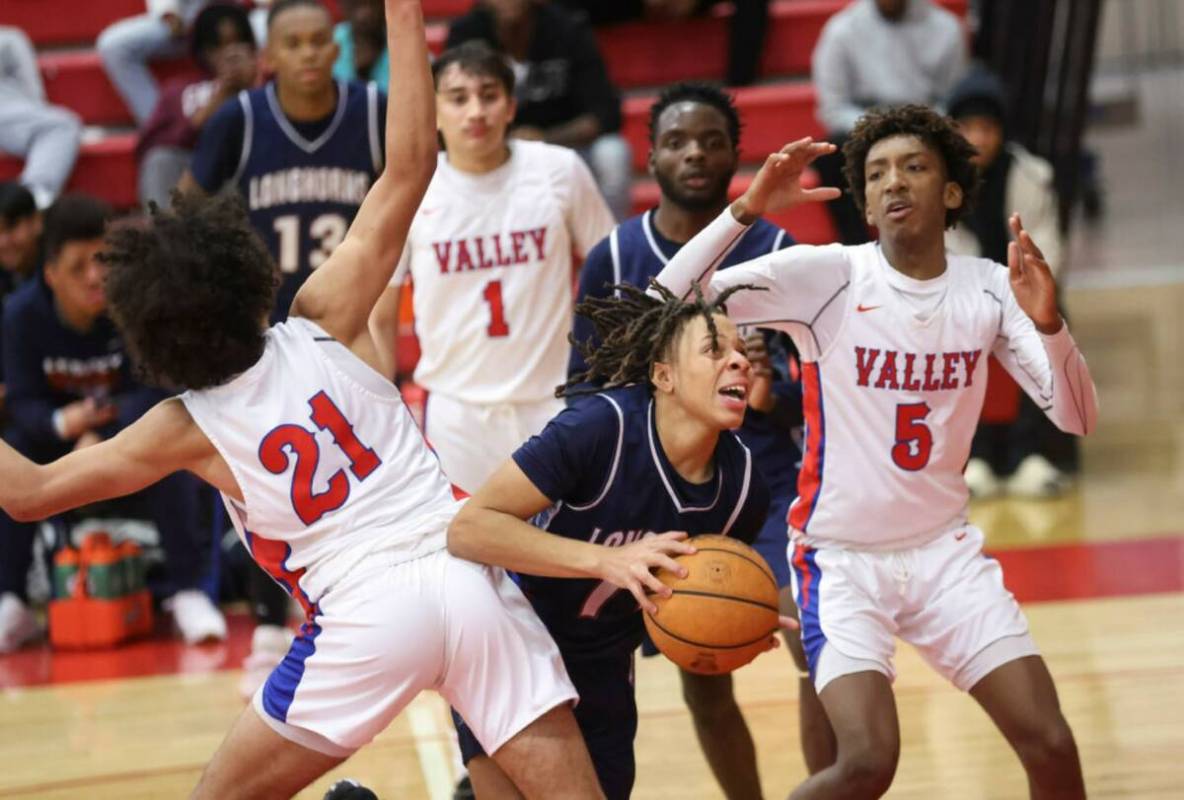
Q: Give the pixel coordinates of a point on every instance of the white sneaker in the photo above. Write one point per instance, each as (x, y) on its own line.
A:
(17, 623)
(981, 479)
(1036, 477)
(269, 645)
(197, 618)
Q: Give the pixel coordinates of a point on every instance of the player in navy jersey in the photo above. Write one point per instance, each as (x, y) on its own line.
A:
(611, 487)
(302, 150)
(694, 141)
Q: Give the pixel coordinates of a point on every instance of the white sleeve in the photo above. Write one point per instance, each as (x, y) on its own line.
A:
(588, 217)
(800, 287)
(1050, 369)
(158, 8)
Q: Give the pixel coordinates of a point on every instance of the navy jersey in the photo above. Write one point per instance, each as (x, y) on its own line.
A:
(601, 464)
(302, 182)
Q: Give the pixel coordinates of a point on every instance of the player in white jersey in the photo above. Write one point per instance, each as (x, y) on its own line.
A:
(892, 336)
(328, 481)
(490, 259)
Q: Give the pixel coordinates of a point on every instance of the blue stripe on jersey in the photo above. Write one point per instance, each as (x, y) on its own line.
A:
(809, 582)
(281, 685)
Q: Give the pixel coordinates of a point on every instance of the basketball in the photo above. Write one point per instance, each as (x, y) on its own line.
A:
(722, 614)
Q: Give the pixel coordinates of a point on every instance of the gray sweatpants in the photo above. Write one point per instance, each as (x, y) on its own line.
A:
(45, 136)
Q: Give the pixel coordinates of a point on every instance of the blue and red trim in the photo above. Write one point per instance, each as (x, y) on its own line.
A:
(272, 555)
(281, 685)
(809, 580)
(810, 477)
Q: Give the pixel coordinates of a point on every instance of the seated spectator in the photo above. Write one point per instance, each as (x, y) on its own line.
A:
(70, 386)
(128, 45)
(45, 136)
(879, 53)
(749, 21)
(563, 91)
(224, 47)
(1017, 457)
(20, 248)
(361, 44)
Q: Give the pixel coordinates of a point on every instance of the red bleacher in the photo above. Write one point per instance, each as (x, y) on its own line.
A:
(639, 54)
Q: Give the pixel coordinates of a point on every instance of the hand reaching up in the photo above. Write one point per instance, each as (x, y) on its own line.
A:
(1031, 279)
(778, 184)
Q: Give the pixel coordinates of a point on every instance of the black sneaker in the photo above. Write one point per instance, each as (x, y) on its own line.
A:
(463, 790)
(349, 790)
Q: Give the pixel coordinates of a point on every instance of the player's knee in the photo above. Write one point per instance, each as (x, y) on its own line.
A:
(1048, 746)
(868, 770)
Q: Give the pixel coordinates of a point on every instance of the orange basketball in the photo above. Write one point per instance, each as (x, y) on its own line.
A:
(722, 614)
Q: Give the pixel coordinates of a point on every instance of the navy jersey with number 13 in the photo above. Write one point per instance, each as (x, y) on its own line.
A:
(302, 182)
(600, 462)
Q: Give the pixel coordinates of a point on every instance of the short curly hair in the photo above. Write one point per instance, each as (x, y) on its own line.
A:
(933, 129)
(697, 92)
(191, 290)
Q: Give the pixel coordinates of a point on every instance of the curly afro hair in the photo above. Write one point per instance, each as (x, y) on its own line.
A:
(933, 129)
(191, 290)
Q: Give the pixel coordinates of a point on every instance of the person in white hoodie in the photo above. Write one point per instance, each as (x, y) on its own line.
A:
(1025, 457)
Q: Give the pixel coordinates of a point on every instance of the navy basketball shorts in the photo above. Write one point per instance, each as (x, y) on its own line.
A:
(607, 716)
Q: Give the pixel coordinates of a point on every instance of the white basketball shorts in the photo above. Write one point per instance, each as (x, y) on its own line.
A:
(946, 598)
(436, 622)
(473, 440)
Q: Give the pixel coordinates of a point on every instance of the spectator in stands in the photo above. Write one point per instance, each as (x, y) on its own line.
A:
(70, 386)
(1013, 180)
(224, 47)
(879, 53)
(20, 249)
(45, 136)
(128, 45)
(563, 90)
(749, 22)
(361, 43)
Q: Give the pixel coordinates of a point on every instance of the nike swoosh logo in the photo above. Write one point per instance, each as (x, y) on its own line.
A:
(959, 536)
(862, 307)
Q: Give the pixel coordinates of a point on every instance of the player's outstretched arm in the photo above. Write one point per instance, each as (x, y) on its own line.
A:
(161, 442)
(1036, 347)
(776, 187)
(340, 294)
(492, 529)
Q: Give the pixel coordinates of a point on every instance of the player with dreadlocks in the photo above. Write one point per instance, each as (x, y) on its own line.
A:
(609, 491)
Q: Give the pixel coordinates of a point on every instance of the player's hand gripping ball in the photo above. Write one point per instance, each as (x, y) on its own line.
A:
(722, 615)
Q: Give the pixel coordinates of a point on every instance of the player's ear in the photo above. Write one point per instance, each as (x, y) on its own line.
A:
(662, 377)
(953, 195)
(650, 167)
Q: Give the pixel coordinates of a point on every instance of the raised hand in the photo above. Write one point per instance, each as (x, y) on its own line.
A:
(778, 184)
(1031, 279)
(631, 567)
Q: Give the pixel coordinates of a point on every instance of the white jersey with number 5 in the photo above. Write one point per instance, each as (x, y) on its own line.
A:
(894, 372)
(490, 260)
(330, 463)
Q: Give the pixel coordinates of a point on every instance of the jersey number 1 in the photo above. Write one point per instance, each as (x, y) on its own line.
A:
(914, 440)
(302, 443)
(497, 312)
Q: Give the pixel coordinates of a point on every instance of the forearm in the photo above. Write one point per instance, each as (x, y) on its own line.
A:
(19, 481)
(493, 537)
(411, 109)
(697, 260)
(1052, 370)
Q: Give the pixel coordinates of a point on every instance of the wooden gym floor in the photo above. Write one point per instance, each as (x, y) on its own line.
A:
(1101, 573)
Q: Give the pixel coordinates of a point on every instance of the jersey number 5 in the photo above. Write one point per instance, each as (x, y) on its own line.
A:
(300, 442)
(914, 440)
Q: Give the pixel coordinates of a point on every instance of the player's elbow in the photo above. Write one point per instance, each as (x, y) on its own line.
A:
(463, 533)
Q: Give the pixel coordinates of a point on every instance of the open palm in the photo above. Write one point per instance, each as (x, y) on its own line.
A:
(1031, 279)
(778, 184)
